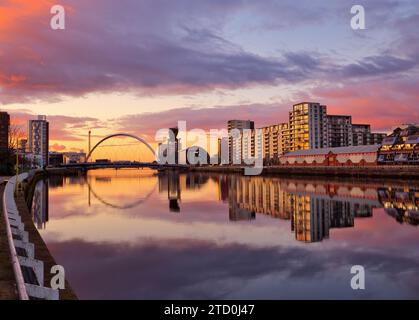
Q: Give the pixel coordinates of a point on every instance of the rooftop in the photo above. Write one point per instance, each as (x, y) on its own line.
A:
(340, 150)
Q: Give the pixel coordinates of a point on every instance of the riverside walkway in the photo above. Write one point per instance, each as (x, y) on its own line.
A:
(7, 278)
(24, 257)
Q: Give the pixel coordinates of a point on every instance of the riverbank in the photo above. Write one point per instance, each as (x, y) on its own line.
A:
(41, 250)
(374, 173)
(375, 178)
(22, 247)
(402, 172)
(7, 277)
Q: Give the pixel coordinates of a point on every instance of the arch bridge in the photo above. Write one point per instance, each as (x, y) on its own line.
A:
(123, 164)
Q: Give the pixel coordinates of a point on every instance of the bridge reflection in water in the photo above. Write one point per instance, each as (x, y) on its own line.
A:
(312, 207)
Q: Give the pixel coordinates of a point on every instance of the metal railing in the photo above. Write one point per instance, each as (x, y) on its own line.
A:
(20, 282)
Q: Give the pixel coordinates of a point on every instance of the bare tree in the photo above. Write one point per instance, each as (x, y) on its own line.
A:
(16, 133)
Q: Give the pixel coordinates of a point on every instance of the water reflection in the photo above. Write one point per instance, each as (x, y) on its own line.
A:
(40, 204)
(170, 183)
(107, 180)
(401, 203)
(312, 208)
(170, 235)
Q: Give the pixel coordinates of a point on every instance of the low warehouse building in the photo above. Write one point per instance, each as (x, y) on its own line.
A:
(342, 156)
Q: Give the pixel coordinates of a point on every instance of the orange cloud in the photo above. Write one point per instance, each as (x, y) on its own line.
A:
(57, 147)
(14, 13)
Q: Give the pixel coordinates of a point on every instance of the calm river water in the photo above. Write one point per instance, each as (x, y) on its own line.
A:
(139, 234)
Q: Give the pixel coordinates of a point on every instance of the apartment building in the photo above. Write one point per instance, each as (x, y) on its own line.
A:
(339, 131)
(362, 135)
(308, 126)
(38, 140)
(235, 145)
(276, 141)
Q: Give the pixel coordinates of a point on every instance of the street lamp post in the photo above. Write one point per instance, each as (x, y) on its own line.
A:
(17, 164)
(17, 184)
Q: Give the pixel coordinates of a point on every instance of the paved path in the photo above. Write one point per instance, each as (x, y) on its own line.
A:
(7, 278)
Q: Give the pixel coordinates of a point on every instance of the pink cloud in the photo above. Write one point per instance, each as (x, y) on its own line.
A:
(383, 104)
(62, 128)
(146, 124)
(151, 49)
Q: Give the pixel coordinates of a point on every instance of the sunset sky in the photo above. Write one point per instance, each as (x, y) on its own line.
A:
(136, 66)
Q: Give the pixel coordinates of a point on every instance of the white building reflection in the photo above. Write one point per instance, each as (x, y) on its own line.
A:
(315, 207)
(40, 204)
(312, 206)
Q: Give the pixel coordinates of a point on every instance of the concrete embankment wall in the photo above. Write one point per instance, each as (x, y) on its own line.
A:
(7, 277)
(31, 259)
(401, 172)
(28, 271)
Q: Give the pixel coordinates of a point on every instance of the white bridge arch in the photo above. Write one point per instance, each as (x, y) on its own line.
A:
(122, 135)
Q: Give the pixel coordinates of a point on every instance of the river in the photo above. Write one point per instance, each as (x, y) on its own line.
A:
(140, 234)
